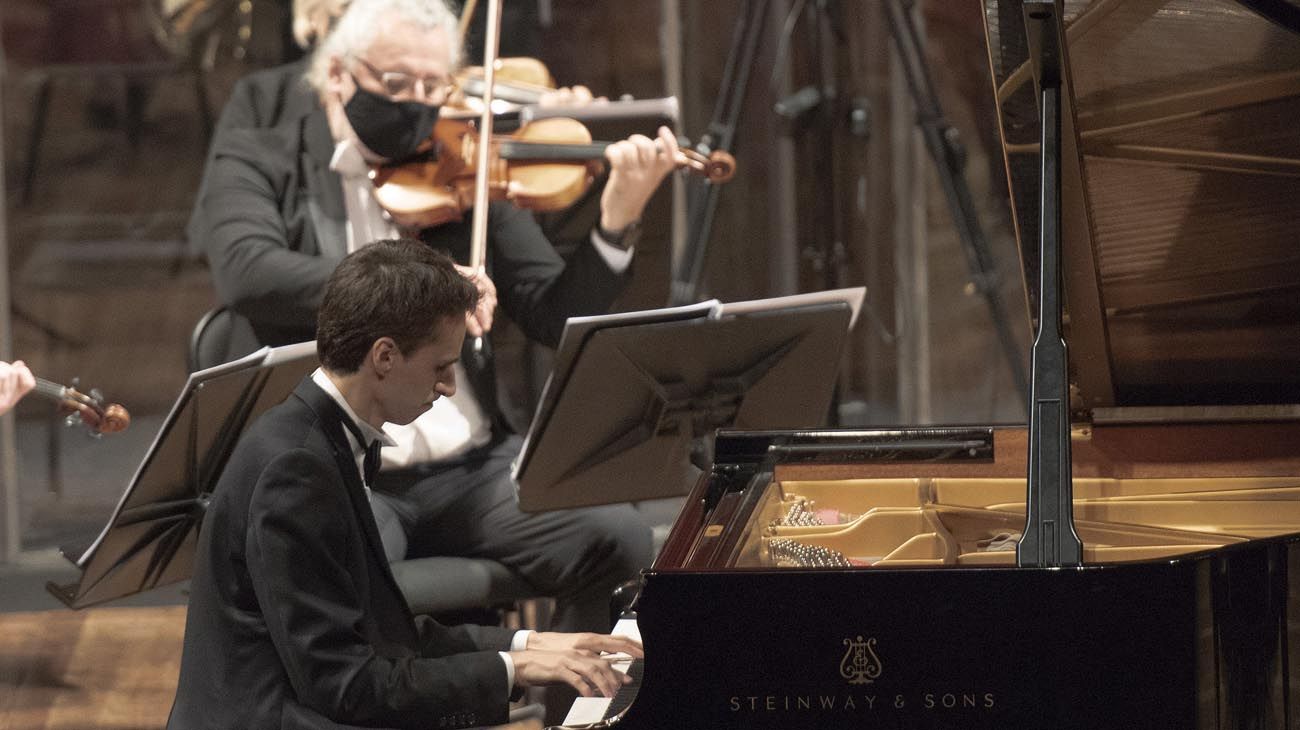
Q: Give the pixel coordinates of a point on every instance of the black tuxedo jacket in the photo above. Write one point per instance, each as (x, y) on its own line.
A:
(272, 221)
(295, 620)
(260, 100)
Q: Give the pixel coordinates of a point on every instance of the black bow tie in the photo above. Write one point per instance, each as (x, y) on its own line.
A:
(370, 467)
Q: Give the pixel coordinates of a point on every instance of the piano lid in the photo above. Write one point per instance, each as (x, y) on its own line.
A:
(1181, 195)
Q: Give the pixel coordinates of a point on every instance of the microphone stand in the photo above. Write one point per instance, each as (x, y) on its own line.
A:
(720, 134)
(949, 161)
(11, 542)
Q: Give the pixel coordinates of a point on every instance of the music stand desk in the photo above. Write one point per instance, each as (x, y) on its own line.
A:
(151, 537)
(634, 396)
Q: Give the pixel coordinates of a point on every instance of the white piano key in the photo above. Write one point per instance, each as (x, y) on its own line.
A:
(592, 709)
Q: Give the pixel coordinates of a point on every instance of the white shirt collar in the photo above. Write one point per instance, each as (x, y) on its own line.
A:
(347, 160)
(370, 432)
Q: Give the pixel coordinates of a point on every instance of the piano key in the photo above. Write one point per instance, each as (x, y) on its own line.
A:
(593, 709)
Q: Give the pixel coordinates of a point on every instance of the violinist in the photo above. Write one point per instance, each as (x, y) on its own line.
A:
(15, 382)
(264, 98)
(282, 205)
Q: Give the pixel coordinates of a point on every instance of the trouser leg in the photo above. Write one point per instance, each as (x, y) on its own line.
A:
(469, 508)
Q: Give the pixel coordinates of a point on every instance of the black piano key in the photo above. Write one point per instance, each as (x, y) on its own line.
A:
(625, 694)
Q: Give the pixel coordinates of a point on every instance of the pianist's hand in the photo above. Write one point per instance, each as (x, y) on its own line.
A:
(590, 643)
(575, 660)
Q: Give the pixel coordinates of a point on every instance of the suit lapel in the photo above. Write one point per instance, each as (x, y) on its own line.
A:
(331, 418)
(324, 191)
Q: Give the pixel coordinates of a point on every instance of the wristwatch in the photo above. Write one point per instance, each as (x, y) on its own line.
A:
(623, 239)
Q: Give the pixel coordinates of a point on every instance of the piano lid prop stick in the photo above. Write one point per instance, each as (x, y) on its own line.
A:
(1049, 538)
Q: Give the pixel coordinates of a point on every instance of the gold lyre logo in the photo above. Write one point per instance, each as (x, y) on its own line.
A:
(860, 664)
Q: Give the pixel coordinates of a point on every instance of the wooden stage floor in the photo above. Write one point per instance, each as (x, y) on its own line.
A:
(99, 669)
(89, 670)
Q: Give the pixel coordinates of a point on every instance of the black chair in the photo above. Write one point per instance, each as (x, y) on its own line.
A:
(440, 586)
(219, 336)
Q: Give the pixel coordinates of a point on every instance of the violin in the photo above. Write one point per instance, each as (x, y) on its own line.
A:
(544, 166)
(520, 84)
(516, 79)
(519, 80)
(89, 408)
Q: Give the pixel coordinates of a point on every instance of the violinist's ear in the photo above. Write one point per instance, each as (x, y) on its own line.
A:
(337, 78)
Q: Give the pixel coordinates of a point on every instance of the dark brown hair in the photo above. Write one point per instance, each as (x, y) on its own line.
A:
(396, 288)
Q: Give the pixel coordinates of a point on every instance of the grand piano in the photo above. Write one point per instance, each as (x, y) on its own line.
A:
(1131, 558)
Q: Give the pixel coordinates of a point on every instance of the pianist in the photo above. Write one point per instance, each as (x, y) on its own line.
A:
(294, 619)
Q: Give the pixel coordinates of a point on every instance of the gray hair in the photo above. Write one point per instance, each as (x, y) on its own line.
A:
(357, 27)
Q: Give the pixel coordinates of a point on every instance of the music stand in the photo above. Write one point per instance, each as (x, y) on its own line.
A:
(634, 397)
(151, 537)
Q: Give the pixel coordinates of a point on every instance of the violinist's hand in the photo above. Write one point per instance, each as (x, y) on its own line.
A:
(479, 322)
(568, 96)
(577, 653)
(15, 381)
(636, 167)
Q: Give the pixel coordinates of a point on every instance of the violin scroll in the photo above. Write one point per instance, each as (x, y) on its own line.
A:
(116, 419)
(717, 167)
(88, 408)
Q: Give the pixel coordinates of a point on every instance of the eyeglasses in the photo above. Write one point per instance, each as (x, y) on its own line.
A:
(430, 89)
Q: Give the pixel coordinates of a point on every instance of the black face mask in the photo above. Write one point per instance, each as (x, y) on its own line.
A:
(391, 129)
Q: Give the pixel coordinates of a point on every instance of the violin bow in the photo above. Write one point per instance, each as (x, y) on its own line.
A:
(478, 236)
(478, 239)
(466, 14)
